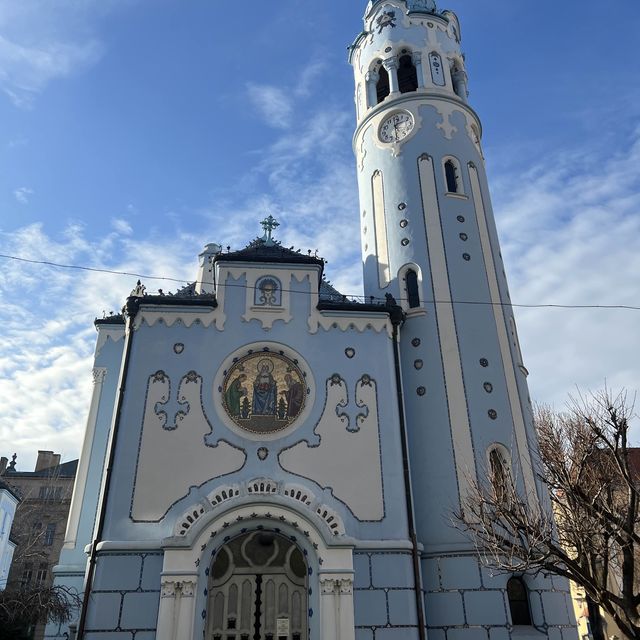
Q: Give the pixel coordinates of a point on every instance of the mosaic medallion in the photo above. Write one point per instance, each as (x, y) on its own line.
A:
(264, 392)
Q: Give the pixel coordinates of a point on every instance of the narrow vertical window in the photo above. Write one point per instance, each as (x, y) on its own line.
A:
(499, 474)
(50, 534)
(380, 220)
(41, 576)
(518, 602)
(407, 75)
(413, 291)
(452, 177)
(437, 71)
(382, 88)
(27, 575)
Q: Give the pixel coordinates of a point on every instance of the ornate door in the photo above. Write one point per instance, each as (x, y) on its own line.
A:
(258, 590)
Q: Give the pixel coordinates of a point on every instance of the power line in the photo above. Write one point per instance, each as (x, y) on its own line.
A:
(94, 269)
(346, 298)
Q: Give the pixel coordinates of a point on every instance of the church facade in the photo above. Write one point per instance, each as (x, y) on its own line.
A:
(267, 459)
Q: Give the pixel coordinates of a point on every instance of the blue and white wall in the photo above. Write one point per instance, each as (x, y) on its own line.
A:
(185, 478)
(464, 378)
(71, 567)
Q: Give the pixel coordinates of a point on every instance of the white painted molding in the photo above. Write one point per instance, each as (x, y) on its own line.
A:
(99, 375)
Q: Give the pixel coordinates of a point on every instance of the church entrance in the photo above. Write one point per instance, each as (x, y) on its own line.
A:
(258, 590)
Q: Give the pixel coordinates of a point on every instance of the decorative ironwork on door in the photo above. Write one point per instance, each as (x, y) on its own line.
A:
(258, 590)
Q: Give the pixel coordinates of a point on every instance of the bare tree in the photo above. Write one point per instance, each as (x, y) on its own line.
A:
(586, 464)
(21, 609)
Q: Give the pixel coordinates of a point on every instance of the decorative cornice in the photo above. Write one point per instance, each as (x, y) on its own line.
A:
(99, 374)
(177, 588)
(336, 586)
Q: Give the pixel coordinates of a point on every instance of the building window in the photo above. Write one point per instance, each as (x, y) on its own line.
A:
(518, 602)
(50, 534)
(452, 176)
(50, 493)
(41, 576)
(437, 70)
(383, 88)
(413, 290)
(407, 75)
(27, 575)
(500, 476)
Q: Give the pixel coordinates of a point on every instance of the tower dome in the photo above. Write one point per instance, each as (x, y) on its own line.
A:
(424, 6)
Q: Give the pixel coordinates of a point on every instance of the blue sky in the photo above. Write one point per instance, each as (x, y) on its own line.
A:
(132, 132)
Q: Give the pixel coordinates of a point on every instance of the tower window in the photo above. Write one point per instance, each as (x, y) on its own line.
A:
(518, 602)
(407, 75)
(437, 70)
(499, 469)
(413, 291)
(383, 88)
(452, 176)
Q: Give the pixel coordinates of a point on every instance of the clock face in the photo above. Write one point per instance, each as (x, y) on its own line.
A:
(396, 127)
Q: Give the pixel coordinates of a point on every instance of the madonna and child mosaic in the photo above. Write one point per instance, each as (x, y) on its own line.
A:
(264, 392)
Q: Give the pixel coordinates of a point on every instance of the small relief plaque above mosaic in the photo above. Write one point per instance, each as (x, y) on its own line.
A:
(268, 292)
(264, 392)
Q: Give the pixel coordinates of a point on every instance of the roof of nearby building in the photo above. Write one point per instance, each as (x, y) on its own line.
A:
(634, 460)
(5, 487)
(64, 470)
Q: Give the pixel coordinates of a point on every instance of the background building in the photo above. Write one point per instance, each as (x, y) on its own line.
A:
(40, 519)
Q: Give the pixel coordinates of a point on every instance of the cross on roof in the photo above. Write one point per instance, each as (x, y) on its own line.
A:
(269, 225)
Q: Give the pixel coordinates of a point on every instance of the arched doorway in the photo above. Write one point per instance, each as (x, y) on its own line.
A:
(257, 590)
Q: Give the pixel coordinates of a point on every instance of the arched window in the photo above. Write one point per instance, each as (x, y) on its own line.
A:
(407, 75)
(413, 290)
(500, 476)
(251, 579)
(383, 88)
(518, 602)
(452, 176)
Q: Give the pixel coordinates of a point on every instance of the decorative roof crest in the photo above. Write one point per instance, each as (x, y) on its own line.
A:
(269, 225)
(428, 6)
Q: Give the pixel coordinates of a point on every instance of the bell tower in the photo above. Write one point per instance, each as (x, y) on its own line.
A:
(429, 239)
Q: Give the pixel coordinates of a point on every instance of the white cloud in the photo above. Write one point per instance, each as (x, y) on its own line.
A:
(47, 344)
(569, 236)
(308, 77)
(23, 194)
(121, 226)
(274, 104)
(43, 41)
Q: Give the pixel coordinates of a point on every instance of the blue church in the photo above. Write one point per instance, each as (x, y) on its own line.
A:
(267, 459)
